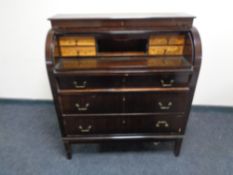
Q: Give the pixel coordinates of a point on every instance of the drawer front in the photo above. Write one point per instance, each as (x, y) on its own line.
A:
(86, 51)
(158, 40)
(164, 80)
(69, 51)
(174, 50)
(166, 50)
(91, 103)
(77, 41)
(163, 102)
(124, 124)
(176, 40)
(85, 82)
(93, 125)
(78, 51)
(157, 50)
(67, 41)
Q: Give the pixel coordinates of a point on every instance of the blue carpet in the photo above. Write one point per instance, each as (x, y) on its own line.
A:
(30, 144)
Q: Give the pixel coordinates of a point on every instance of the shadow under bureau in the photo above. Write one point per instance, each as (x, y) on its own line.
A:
(123, 77)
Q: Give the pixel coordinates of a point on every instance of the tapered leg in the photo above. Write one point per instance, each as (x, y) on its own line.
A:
(178, 143)
(68, 148)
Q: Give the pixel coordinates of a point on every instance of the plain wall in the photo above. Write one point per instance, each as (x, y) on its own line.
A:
(24, 26)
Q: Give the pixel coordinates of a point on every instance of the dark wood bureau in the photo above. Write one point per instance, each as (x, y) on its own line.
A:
(123, 77)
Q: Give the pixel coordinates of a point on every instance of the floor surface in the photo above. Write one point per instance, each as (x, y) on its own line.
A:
(30, 144)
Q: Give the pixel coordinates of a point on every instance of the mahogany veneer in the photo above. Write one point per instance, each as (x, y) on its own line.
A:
(123, 77)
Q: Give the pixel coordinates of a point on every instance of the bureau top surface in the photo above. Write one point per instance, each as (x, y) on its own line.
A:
(112, 16)
(101, 22)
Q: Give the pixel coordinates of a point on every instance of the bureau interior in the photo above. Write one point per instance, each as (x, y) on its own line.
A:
(166, 45)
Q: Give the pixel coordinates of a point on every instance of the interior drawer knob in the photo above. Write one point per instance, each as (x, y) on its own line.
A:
(161, 123)
(84, 108)
(165, 107)
(80, 86)
(167, 84)
(87, 129)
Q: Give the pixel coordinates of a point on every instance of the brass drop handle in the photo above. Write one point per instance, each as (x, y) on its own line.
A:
(80, 86)
(168, 84)
(165, 107)
(84, 108)
(161, 123)
(87, 129)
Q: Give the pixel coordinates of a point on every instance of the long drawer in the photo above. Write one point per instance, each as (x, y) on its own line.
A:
(137, 102)
(175, 79)
(124, 124)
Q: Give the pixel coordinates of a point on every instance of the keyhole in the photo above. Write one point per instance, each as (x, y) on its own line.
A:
(123, 122)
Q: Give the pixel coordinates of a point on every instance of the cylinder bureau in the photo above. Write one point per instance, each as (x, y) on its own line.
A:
(123, 77)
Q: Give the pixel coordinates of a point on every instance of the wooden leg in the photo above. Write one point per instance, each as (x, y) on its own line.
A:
(178, 143)
(68, 148)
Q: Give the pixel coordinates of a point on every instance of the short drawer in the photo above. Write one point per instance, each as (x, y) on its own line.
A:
(91, 103)
(156, 102)
(85, 82)
(93, 125)
(123, 124)
(164, 80)
(161, 123)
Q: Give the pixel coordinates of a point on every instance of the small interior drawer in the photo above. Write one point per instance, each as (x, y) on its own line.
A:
(166, 50)
(67, 41)
(158, 40)
(177, 40)
(86, 51)
(77, 41)
(69, 51)
(174, 50)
